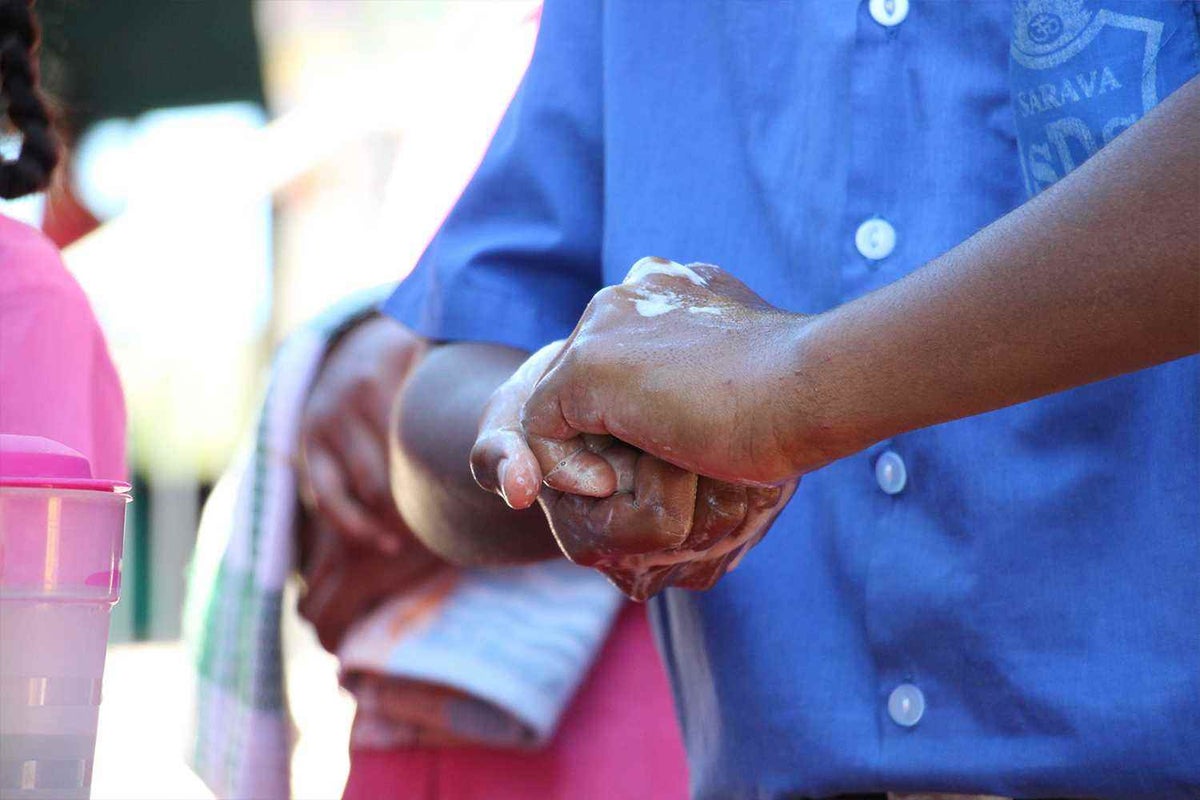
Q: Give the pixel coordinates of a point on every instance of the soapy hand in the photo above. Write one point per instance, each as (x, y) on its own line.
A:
(685, 363)
(663, 526)
(642, 521)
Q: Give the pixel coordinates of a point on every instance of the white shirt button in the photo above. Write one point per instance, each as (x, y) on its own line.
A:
(875, 238)
(906, 705)
(890, 472)
(889, 13)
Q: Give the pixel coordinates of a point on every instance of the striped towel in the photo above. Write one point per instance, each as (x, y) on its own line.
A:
(475, 657)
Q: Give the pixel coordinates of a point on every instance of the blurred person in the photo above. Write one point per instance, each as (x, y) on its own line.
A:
(470, 683)
(56, 377)
(365, 578)
(993, 604)
(617, 739)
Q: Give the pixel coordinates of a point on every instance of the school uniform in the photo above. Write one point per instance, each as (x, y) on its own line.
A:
(1004, 604)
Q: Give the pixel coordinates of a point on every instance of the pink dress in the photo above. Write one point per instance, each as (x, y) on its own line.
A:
(56, 377)
(618, 741)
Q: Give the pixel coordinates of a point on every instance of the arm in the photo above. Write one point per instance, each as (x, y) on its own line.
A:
(514, 263)
(1098, 276)
(435, 428)
(342, 470)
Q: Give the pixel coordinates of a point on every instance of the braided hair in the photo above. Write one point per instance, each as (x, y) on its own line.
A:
(26, 109)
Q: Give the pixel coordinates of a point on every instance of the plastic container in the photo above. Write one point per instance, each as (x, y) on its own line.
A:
(60, 574)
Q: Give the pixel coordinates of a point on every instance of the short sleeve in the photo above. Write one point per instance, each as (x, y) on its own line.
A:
(518, 257)
(56, 377)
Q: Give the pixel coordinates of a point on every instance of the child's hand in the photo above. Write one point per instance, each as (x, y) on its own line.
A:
(343, 469)
(501, 460)
(344, 581)
(663, 526)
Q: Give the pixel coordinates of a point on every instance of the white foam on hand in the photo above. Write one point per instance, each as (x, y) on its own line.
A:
(653, 265)
(655, 304)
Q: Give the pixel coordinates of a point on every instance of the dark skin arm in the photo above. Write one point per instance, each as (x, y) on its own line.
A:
(436, 421)
(1097, 277)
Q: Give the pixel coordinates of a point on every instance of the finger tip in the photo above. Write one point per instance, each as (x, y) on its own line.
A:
(523, 497)
(517, 501)
(517, 482)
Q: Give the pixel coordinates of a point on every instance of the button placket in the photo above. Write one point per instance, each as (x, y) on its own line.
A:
(875, 215)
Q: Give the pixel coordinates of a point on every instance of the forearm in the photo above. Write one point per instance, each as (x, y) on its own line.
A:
(1098, 276)
(436, 424)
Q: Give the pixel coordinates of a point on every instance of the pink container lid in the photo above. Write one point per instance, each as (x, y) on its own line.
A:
(39, 463)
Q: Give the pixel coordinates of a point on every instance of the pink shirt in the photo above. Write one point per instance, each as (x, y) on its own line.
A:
(56, 377)
(618, 739)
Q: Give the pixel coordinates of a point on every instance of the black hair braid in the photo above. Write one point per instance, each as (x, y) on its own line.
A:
(31, 169)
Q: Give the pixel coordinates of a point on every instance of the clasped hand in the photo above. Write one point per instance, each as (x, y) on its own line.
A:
(650, 437)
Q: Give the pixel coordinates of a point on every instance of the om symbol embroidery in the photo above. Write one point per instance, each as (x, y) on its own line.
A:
(1045, 28)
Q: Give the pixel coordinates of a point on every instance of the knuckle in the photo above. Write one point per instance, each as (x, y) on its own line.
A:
(608, 295)
(572, 359)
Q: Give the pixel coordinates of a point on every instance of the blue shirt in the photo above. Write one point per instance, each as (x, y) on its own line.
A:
(1008, 603)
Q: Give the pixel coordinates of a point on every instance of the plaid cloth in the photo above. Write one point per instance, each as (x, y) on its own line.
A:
(485, 657)
(244, 553)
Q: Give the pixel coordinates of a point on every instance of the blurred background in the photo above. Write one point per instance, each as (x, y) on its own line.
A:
(236, 166)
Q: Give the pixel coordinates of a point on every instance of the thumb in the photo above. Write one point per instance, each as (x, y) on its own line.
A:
(569, 460)
(503, 463)
(542, 415)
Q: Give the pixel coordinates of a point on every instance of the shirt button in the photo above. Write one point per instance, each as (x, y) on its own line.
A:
(890, 472)
(906, 705)
(889, 13)
(875, 238)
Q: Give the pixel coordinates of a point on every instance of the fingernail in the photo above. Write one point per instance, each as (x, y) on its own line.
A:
(502, 474)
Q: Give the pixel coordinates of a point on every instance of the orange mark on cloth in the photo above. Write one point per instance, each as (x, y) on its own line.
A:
(410, 615)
